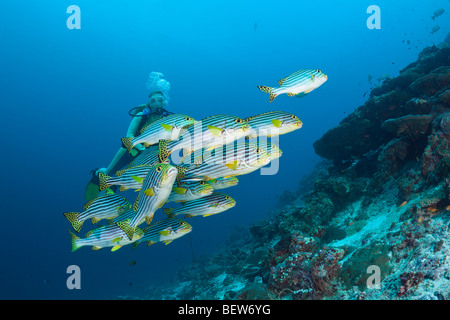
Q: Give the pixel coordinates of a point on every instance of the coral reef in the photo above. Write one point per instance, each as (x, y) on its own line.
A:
(380, 200)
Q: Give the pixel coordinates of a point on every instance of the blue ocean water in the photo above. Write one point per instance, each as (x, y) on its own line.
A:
(65, 95)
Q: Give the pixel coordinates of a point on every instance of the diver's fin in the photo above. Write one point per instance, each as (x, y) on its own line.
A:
(127, 142)
(92, 189)
(73, 219)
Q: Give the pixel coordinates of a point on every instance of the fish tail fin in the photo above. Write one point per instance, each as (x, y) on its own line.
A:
(73, 219)
(127, 143)
(103, 178)
(73, 240)
(265, 89)
(169, 212)
(163, 151)
(125, 226)
(269, 91)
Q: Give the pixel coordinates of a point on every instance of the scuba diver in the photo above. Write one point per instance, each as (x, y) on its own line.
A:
(142, 115)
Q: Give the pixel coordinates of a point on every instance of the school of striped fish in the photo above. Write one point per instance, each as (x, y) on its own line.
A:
(184, 164)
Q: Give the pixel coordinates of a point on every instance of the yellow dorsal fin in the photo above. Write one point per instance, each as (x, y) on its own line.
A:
(144, 128)
(88, 204)
(280, 82)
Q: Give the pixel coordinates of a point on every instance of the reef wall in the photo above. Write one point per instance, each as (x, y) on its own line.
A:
(380, 202)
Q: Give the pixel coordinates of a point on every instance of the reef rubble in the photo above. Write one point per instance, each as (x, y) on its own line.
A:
(378, 202)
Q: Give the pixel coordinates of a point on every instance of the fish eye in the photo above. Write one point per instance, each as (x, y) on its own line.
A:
(318, 70)
(294, 116)
(258, 150)
(187, 119)
(238, 120)
(227, 198)
(158, 169)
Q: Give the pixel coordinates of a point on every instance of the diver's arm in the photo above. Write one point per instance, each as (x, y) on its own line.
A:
(119, 154)
(134, 125)
(133, 128)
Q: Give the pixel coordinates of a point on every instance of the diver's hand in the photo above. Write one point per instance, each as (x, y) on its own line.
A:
(103, 170)
(139, 147)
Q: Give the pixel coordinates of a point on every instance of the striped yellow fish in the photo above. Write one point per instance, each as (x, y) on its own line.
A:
(234, 159)
(165, 230)
(297, 84)
(190, 191)
(222, 182)
(273, 123)
(104, 207)
(214, 203)
(127, 179)
(106, 236)
(208, 133)
(167, 128)
(147, 157)
(155, 190)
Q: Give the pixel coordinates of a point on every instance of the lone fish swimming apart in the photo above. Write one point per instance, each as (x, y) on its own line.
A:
(297, 84)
